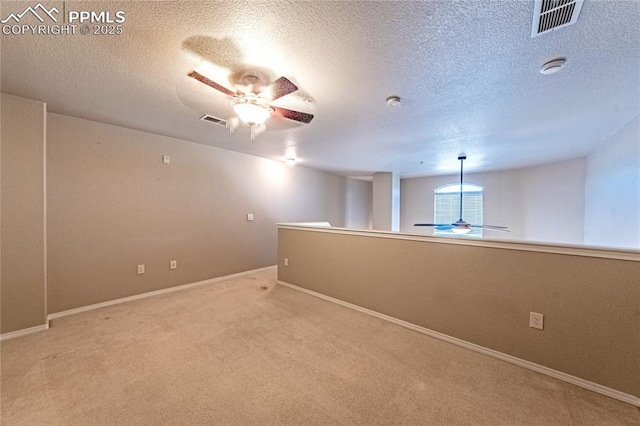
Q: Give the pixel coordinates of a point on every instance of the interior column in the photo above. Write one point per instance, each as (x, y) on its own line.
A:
(386, 201)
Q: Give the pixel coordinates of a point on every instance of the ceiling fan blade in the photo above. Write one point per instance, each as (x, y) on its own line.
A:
(281, 87)
(302, 117)
(445, 227)
(432, 224)
(492, 228)
(495, 229)
(202, 79)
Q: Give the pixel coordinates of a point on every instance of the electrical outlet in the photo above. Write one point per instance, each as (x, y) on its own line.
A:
(166, 159)
(536, 320)
(173, 264)
(249, 217)
(140, 269)
(286, 261)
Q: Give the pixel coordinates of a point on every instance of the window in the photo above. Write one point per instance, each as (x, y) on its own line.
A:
(447, 207)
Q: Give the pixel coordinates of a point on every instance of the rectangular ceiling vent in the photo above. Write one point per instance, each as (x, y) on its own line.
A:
(214, 120)
(550, 15)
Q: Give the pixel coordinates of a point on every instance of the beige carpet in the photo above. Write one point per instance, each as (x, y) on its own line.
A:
(233, 353)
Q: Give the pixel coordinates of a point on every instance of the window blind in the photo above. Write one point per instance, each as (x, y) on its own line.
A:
(447, 210)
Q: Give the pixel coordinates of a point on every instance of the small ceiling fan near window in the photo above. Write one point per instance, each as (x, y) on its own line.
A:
(254, 95)
(460, 226)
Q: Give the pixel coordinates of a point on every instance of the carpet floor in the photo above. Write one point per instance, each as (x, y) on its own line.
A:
(234, 353)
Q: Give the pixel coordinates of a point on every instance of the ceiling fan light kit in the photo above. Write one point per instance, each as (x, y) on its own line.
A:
(461, 231)
(251, 110)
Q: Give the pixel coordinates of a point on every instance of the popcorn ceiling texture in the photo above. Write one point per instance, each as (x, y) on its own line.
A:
(467, 73)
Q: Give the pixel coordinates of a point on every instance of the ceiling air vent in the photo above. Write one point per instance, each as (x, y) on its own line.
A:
(550, 15)
(214, 120)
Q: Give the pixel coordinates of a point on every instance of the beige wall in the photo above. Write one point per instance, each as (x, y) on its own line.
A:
(113, 205)
(612, 195)
(484, 295)
(22, 218)
(553, 202)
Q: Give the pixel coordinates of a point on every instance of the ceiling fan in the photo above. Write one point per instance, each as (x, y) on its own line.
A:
(253, 97)
(460, 226)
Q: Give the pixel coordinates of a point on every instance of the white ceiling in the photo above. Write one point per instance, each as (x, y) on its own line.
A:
(467, 72)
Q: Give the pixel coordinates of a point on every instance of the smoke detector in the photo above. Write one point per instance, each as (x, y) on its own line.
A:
(553, 66)
(394, 101)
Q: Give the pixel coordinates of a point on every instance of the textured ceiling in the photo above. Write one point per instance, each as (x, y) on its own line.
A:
(467, 72)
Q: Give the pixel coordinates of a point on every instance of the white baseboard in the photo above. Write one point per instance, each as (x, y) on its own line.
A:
(151, 293)
(595, 387)
(24, 332)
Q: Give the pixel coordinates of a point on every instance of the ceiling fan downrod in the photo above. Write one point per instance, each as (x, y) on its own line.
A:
(461, 157)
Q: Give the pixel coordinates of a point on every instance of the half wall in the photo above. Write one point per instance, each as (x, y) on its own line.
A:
(483, 291)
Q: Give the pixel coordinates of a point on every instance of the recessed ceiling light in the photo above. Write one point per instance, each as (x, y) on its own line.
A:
(291, 161)
(394, 101)
(553, 66)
